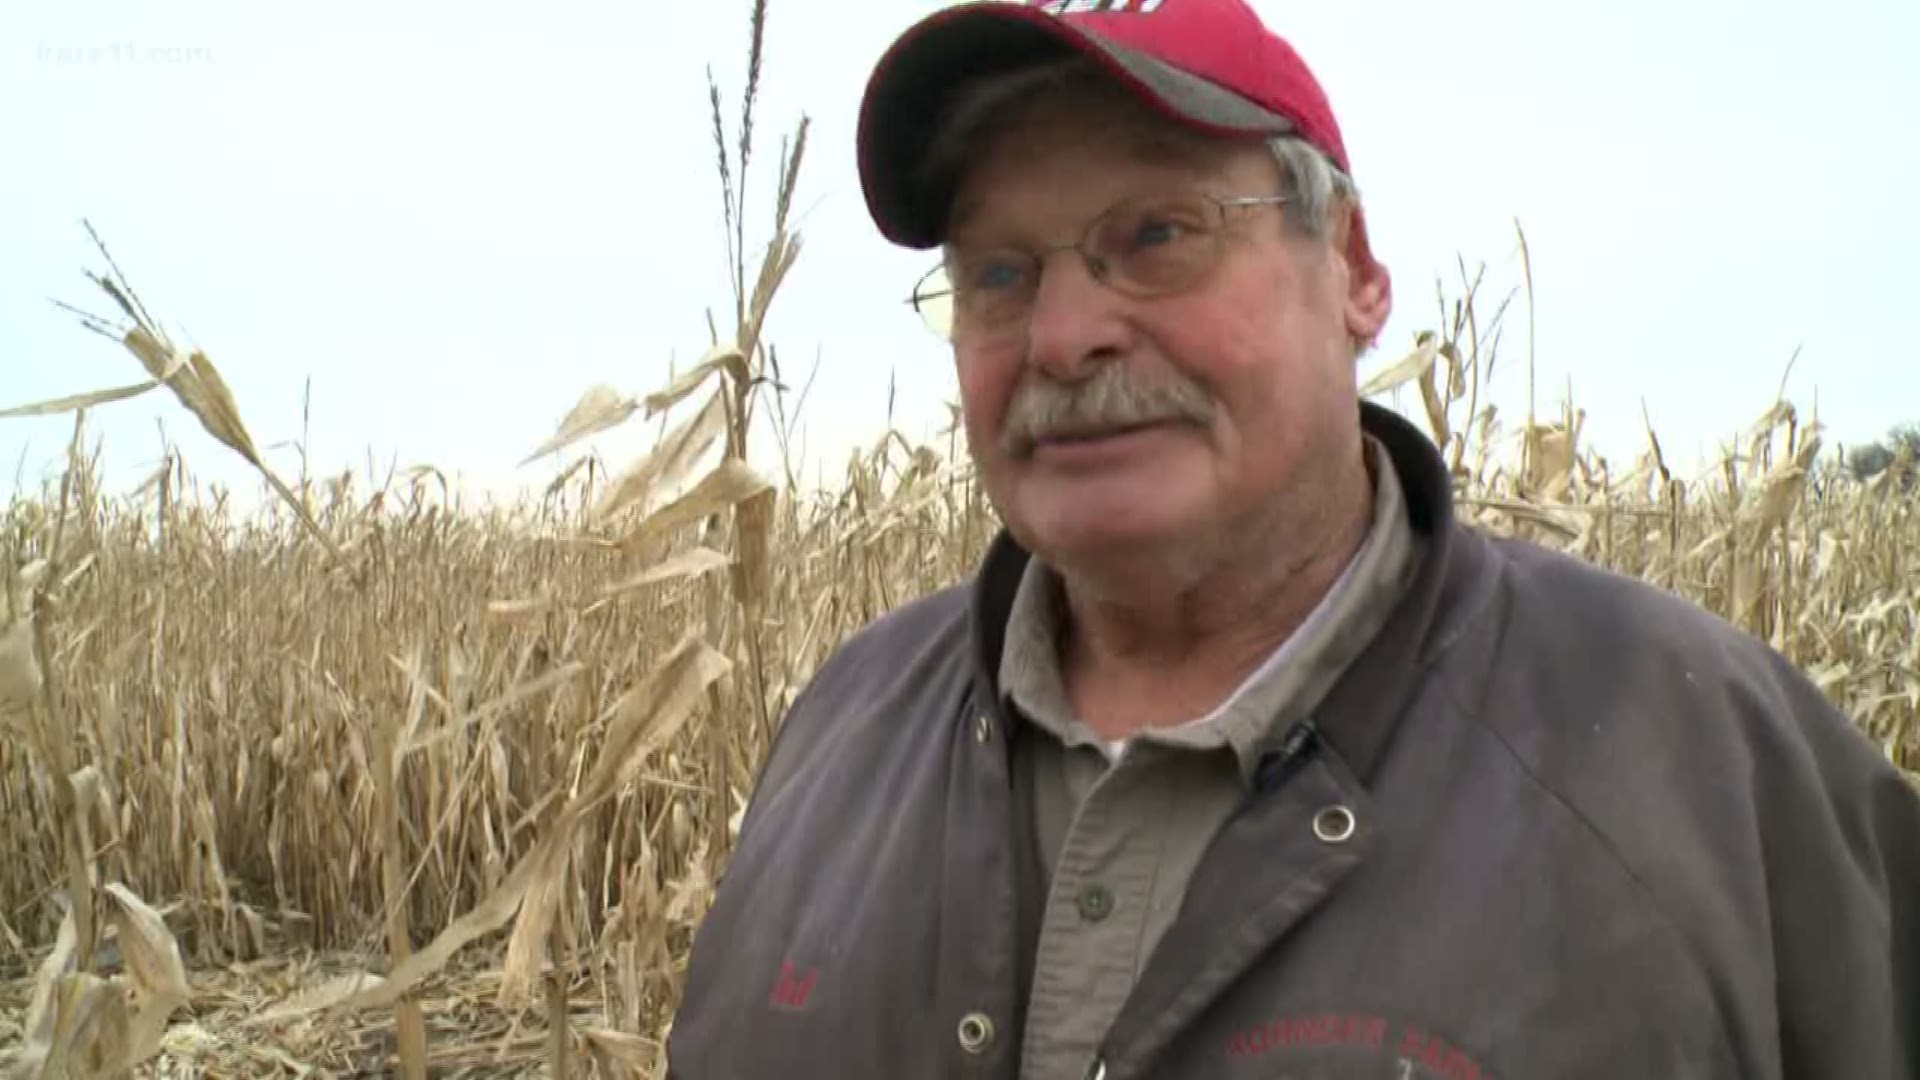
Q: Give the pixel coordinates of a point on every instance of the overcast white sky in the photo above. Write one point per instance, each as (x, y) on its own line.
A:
(454, 218)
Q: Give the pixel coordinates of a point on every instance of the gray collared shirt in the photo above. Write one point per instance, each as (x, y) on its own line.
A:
(1120, 827)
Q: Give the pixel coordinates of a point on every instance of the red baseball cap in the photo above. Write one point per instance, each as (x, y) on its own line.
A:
(1210, 64)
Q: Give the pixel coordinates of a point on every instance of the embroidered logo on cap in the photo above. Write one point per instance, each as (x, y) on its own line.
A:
(1101, 7)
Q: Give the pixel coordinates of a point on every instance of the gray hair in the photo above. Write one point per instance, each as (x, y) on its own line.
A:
(1314, 183)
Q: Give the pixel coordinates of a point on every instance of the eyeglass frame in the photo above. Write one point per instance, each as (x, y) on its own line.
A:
(1221, 204)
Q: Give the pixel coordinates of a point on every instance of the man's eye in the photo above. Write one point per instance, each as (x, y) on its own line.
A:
(1152, 231)
(994, 275)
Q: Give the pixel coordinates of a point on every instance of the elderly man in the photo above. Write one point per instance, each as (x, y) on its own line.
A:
(1241, 757)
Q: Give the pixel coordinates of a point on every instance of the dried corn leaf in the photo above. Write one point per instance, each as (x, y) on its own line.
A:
(692, 563)
(198, 385)
(59, 963)
(1456, 371)
(76, 402)
(669, 463)
(32, 574)
(1415, 365)
(527, 946)
(559, 483)
(20, 677)
(1764, 428)
(621, 1056)
(649, 716)
(600, 408)
(163, 360)
(755, 523)
(730, 484)
(1551, 453)
(86, 787)
(1436, 408)
(319, 998)
(1780, 492)
(143, 1036)
(151, 954)
(518, 610)
(1829, 677)
(1768, 506)
(539, 684)
(485, 918)
(84, 1036)
(191, 1042)
(689, 896)
(721, 358)
(219, 413)
(1714, 541)
(79, 571)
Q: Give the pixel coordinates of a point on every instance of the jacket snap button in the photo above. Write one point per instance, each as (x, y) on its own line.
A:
(1097, 1070)
(983, 728)
(976, 1033)
(1096, 903)
(1334, 825)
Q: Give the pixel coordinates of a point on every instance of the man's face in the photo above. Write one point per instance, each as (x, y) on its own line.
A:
(1251, 371)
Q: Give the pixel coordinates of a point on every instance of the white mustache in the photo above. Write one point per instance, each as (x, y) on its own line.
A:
(1043, 409)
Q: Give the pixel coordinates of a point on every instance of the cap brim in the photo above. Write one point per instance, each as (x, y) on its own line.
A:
(915, 83)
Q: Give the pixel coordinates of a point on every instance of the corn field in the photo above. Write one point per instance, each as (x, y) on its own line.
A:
(377, 783)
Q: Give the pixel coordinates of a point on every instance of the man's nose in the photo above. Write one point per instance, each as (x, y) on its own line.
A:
(1075, 322)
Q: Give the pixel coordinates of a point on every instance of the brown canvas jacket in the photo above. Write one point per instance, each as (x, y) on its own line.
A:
(1552, 823)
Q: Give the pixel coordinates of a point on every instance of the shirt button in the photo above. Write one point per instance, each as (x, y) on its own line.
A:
(976, 1033)
(1096, 903)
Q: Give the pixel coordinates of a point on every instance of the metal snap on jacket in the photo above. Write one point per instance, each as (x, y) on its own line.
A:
(976, 1033)
(1096, 1069)
(1096, 903)
(983, 728)
(1334, 825)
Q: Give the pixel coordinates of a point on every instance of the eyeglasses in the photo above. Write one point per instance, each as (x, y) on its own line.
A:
(1142, 248)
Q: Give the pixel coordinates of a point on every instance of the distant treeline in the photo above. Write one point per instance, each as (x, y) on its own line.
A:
(1901, 444)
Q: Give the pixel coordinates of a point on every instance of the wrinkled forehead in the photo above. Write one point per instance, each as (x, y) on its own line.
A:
(1091, 118)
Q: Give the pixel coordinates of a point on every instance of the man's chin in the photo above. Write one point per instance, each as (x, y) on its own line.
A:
(1094, 534)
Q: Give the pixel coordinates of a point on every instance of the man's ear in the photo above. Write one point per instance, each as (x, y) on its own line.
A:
(1369, 299)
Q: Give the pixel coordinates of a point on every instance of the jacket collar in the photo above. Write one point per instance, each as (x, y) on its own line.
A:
(1359, 713)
